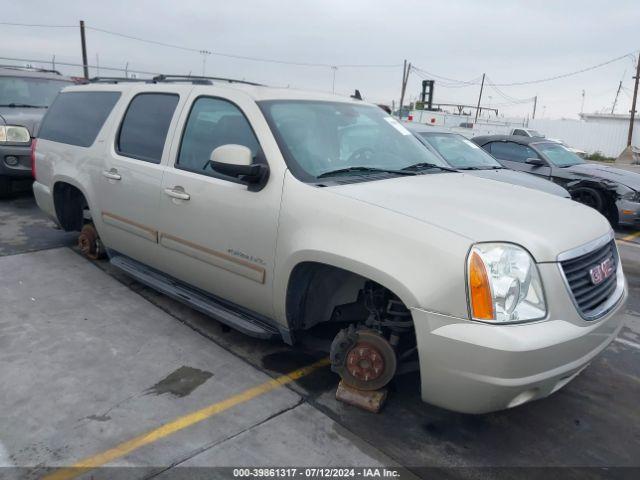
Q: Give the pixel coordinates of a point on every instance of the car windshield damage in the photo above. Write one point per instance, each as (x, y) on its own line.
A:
(559, 155)
(321, 139)
(23, 92)
(459, 152)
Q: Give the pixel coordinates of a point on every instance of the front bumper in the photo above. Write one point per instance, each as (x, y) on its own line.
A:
(474, 367)
(23, 155)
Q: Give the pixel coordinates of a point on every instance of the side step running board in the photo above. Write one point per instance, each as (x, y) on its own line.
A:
(241, 321)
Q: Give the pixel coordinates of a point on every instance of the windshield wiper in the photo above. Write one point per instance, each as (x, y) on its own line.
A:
(425, 165)
(22, 105)
(363, 169)
(488, 167)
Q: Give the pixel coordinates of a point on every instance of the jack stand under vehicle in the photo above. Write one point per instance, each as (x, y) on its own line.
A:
(369, 400)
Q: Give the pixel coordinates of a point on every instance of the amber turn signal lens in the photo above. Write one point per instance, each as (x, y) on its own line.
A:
(479, 289)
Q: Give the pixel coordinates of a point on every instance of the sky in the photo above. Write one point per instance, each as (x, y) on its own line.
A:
(452, 41)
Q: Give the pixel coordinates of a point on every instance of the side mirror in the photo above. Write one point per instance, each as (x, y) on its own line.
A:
(236, 161)
(536, 162)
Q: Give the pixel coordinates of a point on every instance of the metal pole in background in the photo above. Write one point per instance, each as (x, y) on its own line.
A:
(333, 88)
(85, 66)
(535, 104)
(479, 99)
(633, 103)
(405, 78)
(615, 100)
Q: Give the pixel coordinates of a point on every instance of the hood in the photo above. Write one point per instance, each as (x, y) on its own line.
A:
(625, 177)
(483, 210)
(522, 179)
(24, 117)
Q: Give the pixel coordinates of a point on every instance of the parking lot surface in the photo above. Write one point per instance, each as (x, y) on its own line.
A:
(99, 371)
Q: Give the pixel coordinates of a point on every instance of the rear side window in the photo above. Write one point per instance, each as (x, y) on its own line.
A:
(76, 118)
(512, 151)
(145, 125)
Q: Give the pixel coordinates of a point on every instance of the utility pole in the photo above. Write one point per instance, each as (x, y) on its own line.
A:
(83, 41)
(98, 63)
(405, 77)
(333, 87)
(582, 104)
(53, 62)
(633, 102)
(535, 103)
(126, 70)
(615, 100)
(204, 60)
(479, 99)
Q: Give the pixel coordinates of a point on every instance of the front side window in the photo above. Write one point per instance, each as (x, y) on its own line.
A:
(559, 155)
(320, 137)
(513, 152)
(520, 133)
(29, 92)
(459, 152)
(212, 123)
(145, 125)
(75, 118)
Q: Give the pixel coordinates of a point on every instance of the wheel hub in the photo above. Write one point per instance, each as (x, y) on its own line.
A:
(365, 362)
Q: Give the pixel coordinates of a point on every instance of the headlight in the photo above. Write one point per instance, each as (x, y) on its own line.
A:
(631, 196)
(14, 134)
(504, 284)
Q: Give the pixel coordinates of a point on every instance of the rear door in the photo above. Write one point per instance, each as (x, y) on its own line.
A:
(129, 184)
(514, 156)
(218, 234)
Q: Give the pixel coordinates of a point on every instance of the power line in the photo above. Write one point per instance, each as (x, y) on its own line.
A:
(564, 75)
(69, 64)
(211, 52)
(11, 24)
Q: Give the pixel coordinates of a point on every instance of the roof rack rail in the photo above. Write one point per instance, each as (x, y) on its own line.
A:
(199, 80)
(30, 69)
(117, 80)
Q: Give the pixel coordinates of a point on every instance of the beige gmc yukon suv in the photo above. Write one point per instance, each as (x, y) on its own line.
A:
(278, 211)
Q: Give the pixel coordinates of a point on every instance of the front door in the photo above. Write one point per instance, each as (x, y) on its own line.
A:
(129, 184)
(514, 156)
(216, 234)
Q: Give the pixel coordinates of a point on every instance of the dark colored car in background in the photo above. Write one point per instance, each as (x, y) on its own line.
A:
(467, 157)
(25, 94)
(612, 191)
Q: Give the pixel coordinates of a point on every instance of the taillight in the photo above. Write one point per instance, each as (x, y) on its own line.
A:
(33, 157)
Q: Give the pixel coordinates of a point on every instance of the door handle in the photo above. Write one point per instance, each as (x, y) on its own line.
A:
(111, 174)
(177, 192)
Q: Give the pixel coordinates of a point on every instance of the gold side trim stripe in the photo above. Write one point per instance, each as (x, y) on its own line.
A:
(248, 270)
(213, 257)
(130, 226)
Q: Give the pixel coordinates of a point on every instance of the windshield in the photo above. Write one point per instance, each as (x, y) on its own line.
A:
(320, 137)
(559, 155)
(459, 152)
(38, 92)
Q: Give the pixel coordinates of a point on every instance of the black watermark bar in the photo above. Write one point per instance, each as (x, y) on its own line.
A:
(288, 472)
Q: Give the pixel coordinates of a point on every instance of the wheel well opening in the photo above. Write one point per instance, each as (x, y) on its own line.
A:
(366, 328)
(319, 293)
(70, 205)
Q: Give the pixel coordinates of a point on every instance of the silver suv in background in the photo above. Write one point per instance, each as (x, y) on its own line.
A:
(25, 94)
(279, 211)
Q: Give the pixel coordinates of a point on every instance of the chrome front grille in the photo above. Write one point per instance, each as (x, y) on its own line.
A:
(592, 296)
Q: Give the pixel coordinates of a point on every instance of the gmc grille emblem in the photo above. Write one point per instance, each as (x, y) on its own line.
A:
(601, 272)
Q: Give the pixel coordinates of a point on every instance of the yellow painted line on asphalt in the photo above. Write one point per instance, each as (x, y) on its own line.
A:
(631, 237)
(180, 423)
